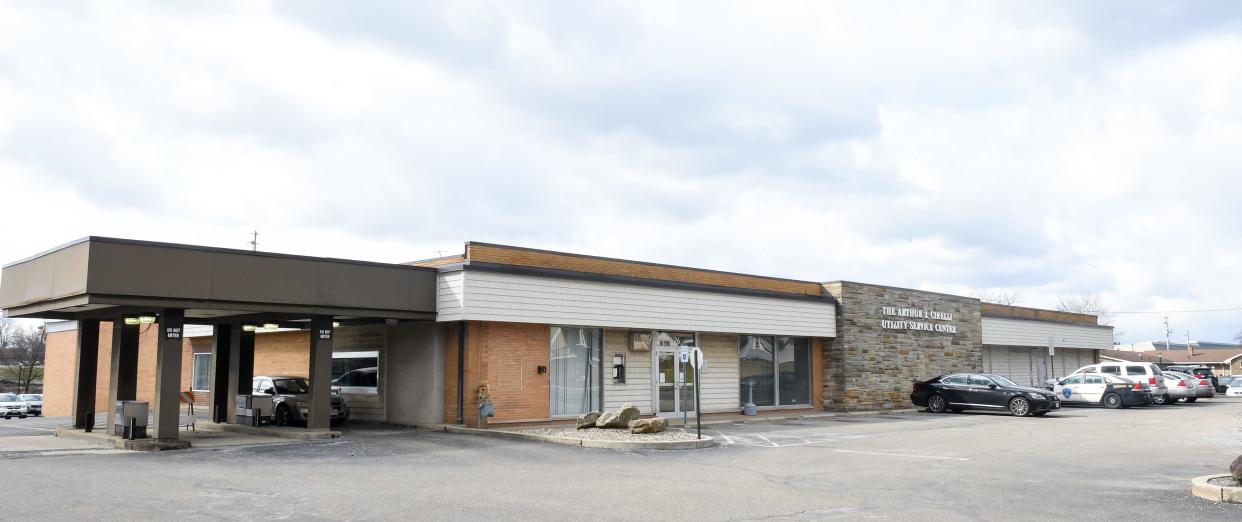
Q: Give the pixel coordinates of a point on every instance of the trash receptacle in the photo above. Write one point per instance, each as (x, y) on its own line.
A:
(131, 413)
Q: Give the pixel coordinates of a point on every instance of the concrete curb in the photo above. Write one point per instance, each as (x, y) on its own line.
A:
(1203, 489)
(119, 443)
(705, 442)
(273, 431)
(808, 416)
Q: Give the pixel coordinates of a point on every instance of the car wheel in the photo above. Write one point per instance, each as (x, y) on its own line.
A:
(1160, 399)
(1191, 399)
(1112, 401)
(937, 404)
(284, 417)
(1019, 407)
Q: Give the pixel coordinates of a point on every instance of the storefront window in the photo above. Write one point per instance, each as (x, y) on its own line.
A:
(574, 366)
(793, 363)
(755, 370)
(356, 372)
(776, 369)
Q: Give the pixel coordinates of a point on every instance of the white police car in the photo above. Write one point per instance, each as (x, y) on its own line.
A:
(1107, 390)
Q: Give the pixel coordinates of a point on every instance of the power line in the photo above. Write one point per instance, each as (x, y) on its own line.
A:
(1169, 311)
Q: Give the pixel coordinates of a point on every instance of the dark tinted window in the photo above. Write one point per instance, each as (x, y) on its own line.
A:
(1136, 370)
(1114, 370)
(954, 379)
(979, 380)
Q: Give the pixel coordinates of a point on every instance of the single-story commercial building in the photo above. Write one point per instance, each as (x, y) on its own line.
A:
(549, 335)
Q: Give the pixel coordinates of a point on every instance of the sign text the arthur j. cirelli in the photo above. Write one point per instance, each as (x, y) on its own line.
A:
(915, 313)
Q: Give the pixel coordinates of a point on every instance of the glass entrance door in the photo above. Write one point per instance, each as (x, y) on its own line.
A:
(674, 384)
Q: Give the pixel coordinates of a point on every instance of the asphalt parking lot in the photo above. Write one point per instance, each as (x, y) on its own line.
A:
(1074, 464)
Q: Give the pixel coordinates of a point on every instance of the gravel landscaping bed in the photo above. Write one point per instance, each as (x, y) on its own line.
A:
(611, 434)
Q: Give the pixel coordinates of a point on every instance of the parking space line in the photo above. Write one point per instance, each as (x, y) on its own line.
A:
(911, 455)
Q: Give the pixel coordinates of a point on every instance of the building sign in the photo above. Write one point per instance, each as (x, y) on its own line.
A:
(914, 323)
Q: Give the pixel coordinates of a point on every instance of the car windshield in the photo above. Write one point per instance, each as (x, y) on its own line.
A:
(291, 386)
(30, 397)
(8, 397)
(1001, 380)
(1235, 383)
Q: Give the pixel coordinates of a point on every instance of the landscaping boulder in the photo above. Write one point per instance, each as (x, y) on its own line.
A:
(587, 420)
(618, 419)
(1236, 469)
(652, 425)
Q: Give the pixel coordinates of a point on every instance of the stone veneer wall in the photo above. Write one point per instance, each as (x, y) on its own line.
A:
(871, 368)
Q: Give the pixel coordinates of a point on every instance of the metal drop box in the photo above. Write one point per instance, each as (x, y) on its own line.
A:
(126, 410)
(253, 410)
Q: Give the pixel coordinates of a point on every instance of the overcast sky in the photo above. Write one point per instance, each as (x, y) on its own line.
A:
(1041, 147)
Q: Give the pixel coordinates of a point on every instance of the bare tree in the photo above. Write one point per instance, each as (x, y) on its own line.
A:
(1090, 304)
(996, 296)
(21, 353)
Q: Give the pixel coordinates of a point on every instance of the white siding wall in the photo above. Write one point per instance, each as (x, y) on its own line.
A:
(1020, 332)
(637, 385)
(450, 296)
(720, 379)
(487, 296)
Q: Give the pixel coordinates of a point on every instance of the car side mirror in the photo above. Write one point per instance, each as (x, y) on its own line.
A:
(992, 386)
(270, 391)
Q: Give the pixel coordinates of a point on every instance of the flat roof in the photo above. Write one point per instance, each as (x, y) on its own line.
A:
(101, 277)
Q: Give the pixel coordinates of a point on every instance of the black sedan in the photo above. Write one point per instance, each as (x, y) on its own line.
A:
(975, 391)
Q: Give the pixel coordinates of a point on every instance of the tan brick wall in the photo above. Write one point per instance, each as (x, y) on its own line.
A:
(58, 373)
(504, 356)
(617, 267)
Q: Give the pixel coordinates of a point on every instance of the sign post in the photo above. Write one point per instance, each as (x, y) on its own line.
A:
(1052, 356)
(698, 371)
(682, 363)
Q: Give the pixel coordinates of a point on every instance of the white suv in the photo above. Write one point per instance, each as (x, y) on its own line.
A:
(1137, 372)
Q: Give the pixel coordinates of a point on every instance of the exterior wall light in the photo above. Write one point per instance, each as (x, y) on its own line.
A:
(146, 319)
(131, 320)
(336, 324)
(249, 327)
(271, 326)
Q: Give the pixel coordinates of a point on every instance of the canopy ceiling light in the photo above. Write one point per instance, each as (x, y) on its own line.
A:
(131, 320)
(336, 324)
(146, 319)
(271, 326)
(249, 327)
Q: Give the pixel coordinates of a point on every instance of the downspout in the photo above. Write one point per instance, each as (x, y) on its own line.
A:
(461, 371)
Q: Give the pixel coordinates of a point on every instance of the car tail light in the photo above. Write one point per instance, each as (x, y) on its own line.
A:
(1181, 383)
(1151, 381)
(1138, 386)
(1202, 383)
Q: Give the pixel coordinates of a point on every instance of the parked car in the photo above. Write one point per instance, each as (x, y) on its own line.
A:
(1235, 388)
(1109, 391)
(11, 406)
(1135, 371)
(291, 399)
(1222, 383)
(968, 391)
(359, 380)
(34, 403)
(1181, 386)
(1201, 387)
(1202, 372)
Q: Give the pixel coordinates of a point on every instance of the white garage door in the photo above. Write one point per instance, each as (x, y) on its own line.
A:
(1012, 362)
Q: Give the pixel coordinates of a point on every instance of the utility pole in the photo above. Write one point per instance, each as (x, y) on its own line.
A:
(254, 241)
(1189, 350)
(1167, 333)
